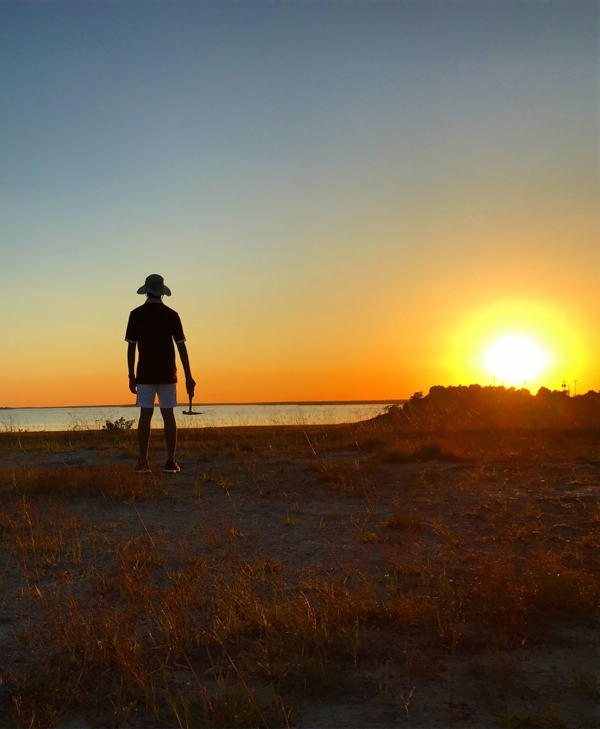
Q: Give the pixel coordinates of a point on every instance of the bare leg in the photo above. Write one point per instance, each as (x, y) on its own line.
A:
(144, 431)
(170, 431)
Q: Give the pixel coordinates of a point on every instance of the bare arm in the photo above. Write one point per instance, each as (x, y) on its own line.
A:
(190, 384)
(131, 366)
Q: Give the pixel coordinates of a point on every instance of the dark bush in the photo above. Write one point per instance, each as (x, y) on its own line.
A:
(476, 408)
(118, 424)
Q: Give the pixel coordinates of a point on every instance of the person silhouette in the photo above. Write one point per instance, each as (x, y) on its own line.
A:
(152, 328)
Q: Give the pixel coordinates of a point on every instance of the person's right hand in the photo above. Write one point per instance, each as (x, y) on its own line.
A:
(190, 387)
(133, 385)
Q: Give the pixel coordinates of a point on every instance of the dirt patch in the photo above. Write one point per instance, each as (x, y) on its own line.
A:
(309, 587)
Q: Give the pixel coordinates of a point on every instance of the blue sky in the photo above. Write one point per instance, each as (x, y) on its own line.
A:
(312, 179)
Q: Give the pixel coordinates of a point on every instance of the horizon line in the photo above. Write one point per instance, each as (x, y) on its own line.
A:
(392, 401)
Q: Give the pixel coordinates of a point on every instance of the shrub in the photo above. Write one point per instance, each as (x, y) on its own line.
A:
(477, 407)
(118, 424)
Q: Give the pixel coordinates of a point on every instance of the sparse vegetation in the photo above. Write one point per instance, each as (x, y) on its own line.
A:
(489, 408)
(118, 424)
(293, 565)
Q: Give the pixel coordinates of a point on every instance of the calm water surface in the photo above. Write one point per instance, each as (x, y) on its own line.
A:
(212, 415)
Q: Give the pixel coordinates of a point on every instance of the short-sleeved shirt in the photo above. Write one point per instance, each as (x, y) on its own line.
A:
(154, 327)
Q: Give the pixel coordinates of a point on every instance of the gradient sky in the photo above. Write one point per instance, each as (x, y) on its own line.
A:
(349, 200)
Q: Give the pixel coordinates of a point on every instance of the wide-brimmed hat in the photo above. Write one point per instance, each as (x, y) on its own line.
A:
(155, 284)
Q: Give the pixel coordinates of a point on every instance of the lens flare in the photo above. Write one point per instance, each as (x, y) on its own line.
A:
(515, 359)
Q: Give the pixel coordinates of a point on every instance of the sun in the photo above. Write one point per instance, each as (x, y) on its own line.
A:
(515, 358)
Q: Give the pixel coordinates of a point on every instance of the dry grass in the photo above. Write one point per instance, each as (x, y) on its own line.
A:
(68, 482)
(184, 603)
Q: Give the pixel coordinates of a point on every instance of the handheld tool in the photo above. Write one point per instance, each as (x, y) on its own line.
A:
(191, 411)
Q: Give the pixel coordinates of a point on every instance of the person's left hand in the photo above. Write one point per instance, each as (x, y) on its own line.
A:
(190, 387)
(133, 385)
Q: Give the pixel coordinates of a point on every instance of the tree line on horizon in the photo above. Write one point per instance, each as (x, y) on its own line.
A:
(480, 407)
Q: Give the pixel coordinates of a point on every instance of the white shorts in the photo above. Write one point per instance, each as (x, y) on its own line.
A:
(167, 395)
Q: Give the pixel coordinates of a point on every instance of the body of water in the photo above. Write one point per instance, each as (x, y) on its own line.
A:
(90, 418)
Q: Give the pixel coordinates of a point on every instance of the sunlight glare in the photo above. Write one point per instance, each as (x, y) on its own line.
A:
(515, 358)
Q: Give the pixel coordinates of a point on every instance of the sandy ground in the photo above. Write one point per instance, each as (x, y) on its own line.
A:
(289, 511)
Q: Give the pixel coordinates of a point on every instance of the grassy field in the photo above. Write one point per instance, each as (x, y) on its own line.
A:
(369, 575)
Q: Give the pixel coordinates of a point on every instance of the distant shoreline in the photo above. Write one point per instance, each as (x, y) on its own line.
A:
(221, 404)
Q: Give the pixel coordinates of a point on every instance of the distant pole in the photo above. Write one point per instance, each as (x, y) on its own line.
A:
(574, 388)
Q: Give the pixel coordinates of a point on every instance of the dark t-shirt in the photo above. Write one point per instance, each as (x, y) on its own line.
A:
(154, 327)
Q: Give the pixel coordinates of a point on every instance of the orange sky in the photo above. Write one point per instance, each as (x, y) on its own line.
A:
(349, 201)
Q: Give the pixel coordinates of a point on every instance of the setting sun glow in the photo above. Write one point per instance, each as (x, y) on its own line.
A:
(515, 359)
